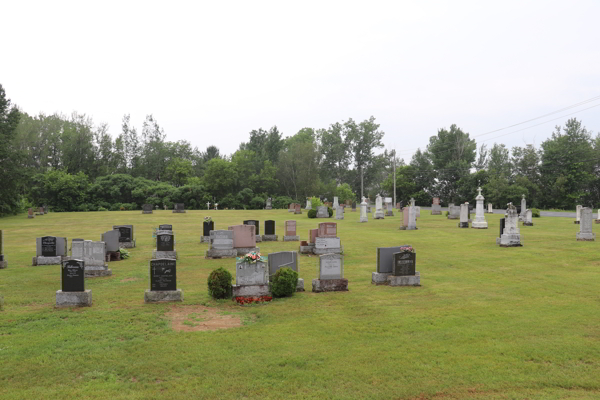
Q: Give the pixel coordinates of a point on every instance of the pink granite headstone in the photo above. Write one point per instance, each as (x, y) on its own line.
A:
(290, 228)
(313, 234)
(243, 235)
(405, 216)
(327, 229)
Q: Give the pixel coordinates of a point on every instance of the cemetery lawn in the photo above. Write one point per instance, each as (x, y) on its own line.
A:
(488, 322)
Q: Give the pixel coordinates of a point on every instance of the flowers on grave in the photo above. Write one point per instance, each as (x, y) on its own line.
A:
(252, 257)
(252, 300)
(208, 219)
(124, 253)
(407, 249)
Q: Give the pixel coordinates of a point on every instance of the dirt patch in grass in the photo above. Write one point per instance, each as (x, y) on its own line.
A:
(129, 280)
(201, 318)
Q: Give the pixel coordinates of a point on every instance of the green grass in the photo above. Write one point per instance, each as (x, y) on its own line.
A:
(488, 322)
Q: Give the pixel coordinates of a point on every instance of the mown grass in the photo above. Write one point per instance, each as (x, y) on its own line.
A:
(488, 322)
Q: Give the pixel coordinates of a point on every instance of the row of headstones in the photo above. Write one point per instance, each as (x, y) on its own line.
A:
(51, 250)
(270, 231)
(177, 208)
(31, 213)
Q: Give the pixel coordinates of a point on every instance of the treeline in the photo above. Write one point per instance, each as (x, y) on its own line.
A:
(71, 164)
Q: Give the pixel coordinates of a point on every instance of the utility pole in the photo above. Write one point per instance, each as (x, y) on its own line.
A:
(361, 183)
(394, 178)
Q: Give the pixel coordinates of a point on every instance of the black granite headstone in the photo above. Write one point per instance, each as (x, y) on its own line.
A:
(147, 207)
(354, 205)
(124, 234)
(165, 242)
(179, 206)
(207, 227)
(269, 227)
(73, 276)
(405, 263)
(502, 225)
(165, 227)
(163, 274)
(49, 246)
(256, 224)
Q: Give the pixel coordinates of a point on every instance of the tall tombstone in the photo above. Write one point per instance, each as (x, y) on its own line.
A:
(598, 217)
(364, 215)
(221, 245)
(389, 210)
(207, 226)
(336, 203)
(297, 209)
(331, 274)
(269, 205)
(353, 206)
(412, 217)
(464, 216)
(523, 208)
(405, 215)
(578, 214)
(436, 208)
(511, 235)
(73, 293)
(322, 212)
(290, 232)
(339, 212)
(585, 228)
(178, 208)
(30, 213)
(489, 209)
(3, 262)
(126, 236)
(147, 209)
(378, 208)
(270, 232)
(480, 222)
(502, 226)
(308, 204)
(163, 282)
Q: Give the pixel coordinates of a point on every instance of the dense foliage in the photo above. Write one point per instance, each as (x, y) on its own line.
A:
(284, 282)
(71, 164)
(219, 284)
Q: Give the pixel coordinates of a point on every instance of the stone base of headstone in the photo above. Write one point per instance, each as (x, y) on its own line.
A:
(586, 237)
(156, 255)
(292, 210)
(364, 219)
(379, 278)
(389, 213)
(335, 250)
(463, 224)
(258, 238)
(341, 216)
(577, 222)
(405, 280)
(221, 253)
(509, 240)
(146, 212)
(270, 238)
(41, 260)
(268, 207)
(179, 211)
(127, 245)
(160, 296)
(527, 223)
(39, 213)
(300, 285)
(113, 256)
(410, 228)
(3, 264)
(379, 215)
(297, 212)
(251, 290)
(204, 239)
(453, 216)
(308, 249)
(242, 251)
(30, 216)
(95, 272)
(479, 225)
(74, 299)
(291, 238)
(329, 285)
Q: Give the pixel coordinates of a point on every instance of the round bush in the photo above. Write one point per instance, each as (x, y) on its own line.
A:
(312, 213)
(535, 213)
(284, 282)
(330, 211)
(219, 284)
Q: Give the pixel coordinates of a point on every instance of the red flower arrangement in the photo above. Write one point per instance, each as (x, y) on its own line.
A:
(249, 300)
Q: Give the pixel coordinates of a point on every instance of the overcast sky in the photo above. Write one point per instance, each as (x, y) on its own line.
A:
(210, 72)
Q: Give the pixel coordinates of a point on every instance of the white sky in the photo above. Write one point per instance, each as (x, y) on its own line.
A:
(210, 72)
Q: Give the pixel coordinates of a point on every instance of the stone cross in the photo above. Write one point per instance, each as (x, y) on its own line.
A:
(208, 205)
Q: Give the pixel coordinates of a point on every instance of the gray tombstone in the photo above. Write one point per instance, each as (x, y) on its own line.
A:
(282, 259)
(147, 209)
(221, 245)
(331, 266)
(585, 227)
(322, 212)
(111, 238)
(250, 274)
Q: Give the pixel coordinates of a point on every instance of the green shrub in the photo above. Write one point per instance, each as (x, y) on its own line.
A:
(447, 213)
(315, 202)
(535, 213)
(124, 253)
(219, 284)
(284, 282)
(115, 207)
(282, 202)
(330, 211)
(257, 203)
(102, 209)
(312, 213)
